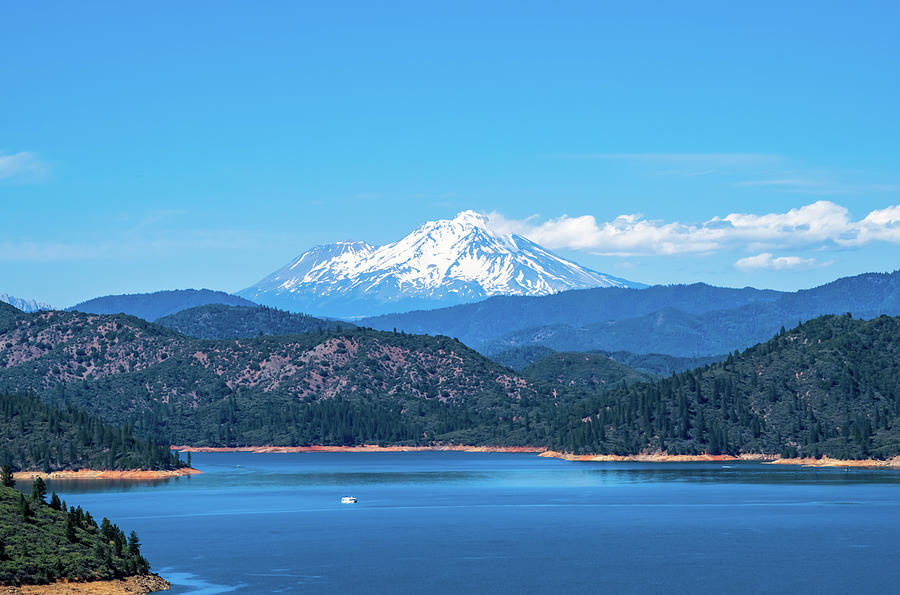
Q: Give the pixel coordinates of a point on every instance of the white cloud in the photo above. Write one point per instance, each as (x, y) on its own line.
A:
(817, 224)
(880, 225)
(766, 261)
(22, 167)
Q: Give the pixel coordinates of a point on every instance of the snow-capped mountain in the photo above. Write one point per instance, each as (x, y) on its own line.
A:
(25, 305)
(442, 263)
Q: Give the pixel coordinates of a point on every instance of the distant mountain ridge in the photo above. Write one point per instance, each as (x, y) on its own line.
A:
(681, 320)
(218, 321)
(444, 262)
(151, 306)
(24, 304)
(673, 331)
(476, 324)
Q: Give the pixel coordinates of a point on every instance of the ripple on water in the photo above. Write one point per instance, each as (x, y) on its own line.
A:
(187, 582)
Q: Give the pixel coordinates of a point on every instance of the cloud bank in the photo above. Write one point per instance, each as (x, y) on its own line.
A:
(822, 223)
(766, 261)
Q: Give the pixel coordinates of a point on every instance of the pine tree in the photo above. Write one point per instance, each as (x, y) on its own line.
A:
(54, 502)
(6, 476)
(38, 489)
(70, 529)
(24, 509)
(134, 544)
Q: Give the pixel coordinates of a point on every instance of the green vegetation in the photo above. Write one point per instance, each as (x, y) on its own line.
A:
(660, 364)
(591, 370)
(829, 387)
(330, 386)
(219, 321)
(41, 542)
(516, 358)
(36, 436)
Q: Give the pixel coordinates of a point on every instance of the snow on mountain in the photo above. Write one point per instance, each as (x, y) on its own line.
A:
(442, 263)
(25, 305)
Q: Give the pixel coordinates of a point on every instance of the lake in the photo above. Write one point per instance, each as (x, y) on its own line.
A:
(448, 522)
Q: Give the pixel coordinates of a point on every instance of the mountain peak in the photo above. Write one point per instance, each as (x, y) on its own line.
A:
(441, 263)
(471, 218)
(24, 304)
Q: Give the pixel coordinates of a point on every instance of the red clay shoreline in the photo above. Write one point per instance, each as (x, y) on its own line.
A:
(360, 448)
(130, 474)
(661, 457)
(657, 457)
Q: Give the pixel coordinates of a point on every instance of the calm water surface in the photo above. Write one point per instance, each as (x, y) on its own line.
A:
(507, 523)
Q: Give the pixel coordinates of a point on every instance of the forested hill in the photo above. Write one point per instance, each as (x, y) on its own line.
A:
(35, 436)
(150, 306)
(831, 387)
(43, 542)
(589, 370)
(342, 387)
(517, 358)
(219, 321)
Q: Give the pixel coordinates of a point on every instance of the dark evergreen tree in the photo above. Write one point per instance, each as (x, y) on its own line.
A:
(6, 476)
(38, 489)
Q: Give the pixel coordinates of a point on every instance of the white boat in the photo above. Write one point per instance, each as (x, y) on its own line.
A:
(348, 500)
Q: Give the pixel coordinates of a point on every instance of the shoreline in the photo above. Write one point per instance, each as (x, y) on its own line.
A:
(362, 448)
(893, 463)
(106, 474)
(657, 457)
(133, 585)
(661, 457)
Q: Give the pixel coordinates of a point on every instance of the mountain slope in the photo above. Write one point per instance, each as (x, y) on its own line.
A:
(657, 364)
(335, 388)
(218, 321)
(443, 262)
(677, 332)
(591, 370)
(516, 358)
(151, 306)
(831, 387)
(26, 305)
(476, 324)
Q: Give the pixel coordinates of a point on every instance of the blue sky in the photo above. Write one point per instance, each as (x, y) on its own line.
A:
(204, 144)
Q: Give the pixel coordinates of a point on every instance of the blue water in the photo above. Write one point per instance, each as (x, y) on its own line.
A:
(507, 523)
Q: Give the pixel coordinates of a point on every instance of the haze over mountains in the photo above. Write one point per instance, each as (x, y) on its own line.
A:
(441, 263)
